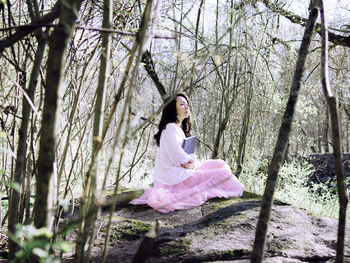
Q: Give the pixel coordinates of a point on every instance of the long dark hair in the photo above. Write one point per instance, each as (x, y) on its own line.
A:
(169, 115)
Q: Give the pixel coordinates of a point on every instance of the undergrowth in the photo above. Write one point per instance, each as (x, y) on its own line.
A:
(291, 186)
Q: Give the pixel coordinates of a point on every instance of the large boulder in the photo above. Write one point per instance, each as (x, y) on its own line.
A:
(223, 230)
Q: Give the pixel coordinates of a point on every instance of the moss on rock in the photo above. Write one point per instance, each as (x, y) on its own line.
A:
(219, 255)
(176, 247)
(247, 196)
(123, 229)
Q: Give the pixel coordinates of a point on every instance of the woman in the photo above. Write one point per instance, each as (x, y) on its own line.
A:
(180, 182)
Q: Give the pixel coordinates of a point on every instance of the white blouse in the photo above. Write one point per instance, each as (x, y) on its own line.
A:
(170, 156)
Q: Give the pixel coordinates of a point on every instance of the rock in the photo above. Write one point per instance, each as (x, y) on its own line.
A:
(224, 229)
(347, 172)
(324, 172)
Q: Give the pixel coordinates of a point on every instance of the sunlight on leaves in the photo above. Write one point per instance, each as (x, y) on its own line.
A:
(14, 185)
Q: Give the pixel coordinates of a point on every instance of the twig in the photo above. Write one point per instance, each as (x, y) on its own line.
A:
(25, 95)
(99, 29)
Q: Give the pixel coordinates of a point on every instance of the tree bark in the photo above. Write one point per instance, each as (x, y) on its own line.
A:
(194, 60)
(319, 133)
(57, 50)
(244, 132)
(282, 141)
(149, 17)
(229, 90)
(325, 131)
(149, 66)
(86, 226)
(336, 138)
(22, 142)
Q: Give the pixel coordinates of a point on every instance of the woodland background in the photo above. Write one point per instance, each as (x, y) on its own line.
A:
(82, 85)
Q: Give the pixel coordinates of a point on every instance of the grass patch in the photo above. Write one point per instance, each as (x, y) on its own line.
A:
(291, 186)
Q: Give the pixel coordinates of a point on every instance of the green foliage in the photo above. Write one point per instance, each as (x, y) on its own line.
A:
(291, 186)
(254, 175)
(4, 208)
(14, 185)
(4, 203)
(37, 242)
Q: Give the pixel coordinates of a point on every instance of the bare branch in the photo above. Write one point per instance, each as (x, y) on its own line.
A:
(25, 31)
(34, 26)
(332, 37)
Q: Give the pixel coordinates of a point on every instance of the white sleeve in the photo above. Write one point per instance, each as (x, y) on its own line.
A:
(172, 140)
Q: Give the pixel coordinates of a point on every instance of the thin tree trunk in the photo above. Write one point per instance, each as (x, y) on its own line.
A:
(195, 48)
(336, 138)
(347, 136)
(325, 131)
(150, 14)
(282, 141)
(68, 142)
(222, 125)
(178, 45)
(58, 45)
(86, 225)
(244, 133)
(227, 98)
(22, 141)
(149, 66)
(319, 133)
(29, 173)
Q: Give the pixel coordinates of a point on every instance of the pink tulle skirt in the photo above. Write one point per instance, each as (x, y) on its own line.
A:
(213, 178)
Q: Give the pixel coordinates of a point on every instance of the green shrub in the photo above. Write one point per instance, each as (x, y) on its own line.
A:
(33, 242)
(291, 186)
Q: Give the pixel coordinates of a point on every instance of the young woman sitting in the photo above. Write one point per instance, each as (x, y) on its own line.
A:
(181, 182)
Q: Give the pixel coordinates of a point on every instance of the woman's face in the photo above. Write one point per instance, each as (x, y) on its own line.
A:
(182, 108)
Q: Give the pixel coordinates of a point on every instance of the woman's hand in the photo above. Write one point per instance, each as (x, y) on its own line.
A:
(189, 165)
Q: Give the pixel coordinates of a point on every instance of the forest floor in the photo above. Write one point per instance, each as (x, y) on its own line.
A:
(221, 230)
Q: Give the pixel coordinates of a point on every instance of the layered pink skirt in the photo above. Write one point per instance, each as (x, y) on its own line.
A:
(213, 178)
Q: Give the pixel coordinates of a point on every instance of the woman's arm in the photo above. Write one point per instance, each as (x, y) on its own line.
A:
(171, 143)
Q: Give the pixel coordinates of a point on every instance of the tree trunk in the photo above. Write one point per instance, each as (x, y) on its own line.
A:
(149, 66)
(325, 132)
(282, 141)
(229, 90)
(347, 136)
(336, 138)
(57, 49)
(86, 225)
(77, 97)
(194, 60)
(244, 133)
(22, 141)
(319, 133)
(222, 123)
